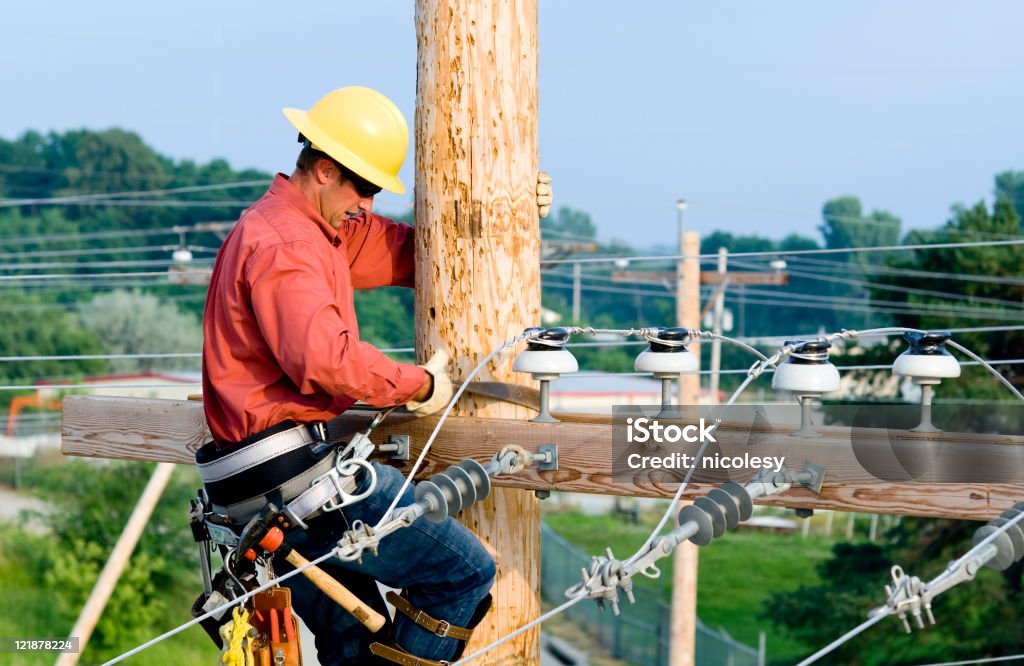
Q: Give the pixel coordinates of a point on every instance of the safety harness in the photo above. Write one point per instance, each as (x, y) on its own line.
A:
(305, 472)
(290, 466)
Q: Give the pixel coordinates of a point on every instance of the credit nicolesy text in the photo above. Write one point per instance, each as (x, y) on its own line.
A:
(643, 430)
(686, 461)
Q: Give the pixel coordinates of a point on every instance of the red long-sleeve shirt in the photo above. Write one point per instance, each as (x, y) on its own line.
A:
(280, 337)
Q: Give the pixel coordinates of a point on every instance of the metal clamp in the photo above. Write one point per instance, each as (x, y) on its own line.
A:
(908, 595)
(342, 470)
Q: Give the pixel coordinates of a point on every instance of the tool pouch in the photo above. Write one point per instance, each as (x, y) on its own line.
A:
(278, 643)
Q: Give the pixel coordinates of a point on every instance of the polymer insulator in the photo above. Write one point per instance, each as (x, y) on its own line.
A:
(720, 510)
(705, 528)
(1009, 544)
(454, 489)
(715, 512)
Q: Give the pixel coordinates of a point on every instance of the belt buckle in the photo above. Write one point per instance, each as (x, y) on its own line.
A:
(442, 629)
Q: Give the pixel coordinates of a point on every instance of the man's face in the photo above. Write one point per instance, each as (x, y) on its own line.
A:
(339, 198)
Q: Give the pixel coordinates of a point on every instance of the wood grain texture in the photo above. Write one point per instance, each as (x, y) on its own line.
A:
(171, 430)
(478, 249)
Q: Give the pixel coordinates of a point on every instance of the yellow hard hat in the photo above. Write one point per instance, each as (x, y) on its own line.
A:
(361, 129)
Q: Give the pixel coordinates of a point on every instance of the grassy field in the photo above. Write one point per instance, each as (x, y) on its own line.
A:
(737, 571)
(29, 613)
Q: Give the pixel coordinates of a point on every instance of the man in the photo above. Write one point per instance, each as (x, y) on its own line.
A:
(281, 351)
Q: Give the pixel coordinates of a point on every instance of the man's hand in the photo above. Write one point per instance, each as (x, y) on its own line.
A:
(437, 391)
(544, 194)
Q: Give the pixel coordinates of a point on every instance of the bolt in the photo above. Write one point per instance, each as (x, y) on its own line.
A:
(542, 494)
(804, 513)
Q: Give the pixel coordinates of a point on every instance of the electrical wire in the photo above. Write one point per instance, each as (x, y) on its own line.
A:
(984, 660)
(898, 289)
(221, 609)
(444, 416)
(102, 196)
(526, 627)
(910, 272)
(791, 253)
(867, 624)
(177, 230)
(881, 612)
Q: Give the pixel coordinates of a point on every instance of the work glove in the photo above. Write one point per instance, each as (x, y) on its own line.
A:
(544, 194)
(437, 366)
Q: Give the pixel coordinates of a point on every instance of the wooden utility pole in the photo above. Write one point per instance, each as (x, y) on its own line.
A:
(683, 631)
(478, 249)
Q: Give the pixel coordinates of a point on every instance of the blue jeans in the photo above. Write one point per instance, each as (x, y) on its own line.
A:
(443, 568)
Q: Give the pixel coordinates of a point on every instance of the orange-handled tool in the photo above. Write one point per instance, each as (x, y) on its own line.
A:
(273, 541)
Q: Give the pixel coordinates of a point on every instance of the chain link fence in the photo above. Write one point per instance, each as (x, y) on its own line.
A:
(640, 634)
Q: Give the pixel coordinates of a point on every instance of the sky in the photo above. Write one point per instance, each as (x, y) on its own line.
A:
(756, 113)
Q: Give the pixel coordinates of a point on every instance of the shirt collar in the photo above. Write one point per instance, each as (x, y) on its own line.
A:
(284, 188)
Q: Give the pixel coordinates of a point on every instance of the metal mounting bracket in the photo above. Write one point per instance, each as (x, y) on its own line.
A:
(551, 451)
(397, 446)
(817, 479)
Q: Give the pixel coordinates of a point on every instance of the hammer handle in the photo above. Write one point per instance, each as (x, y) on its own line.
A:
(370, 618)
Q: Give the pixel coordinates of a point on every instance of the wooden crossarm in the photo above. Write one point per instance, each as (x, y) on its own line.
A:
(172, 430)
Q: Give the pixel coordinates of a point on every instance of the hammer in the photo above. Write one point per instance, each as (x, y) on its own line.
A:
(265, 531)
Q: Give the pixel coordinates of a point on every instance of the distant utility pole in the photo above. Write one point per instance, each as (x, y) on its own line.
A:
(683, 630)
(576, 292)
(716, 345)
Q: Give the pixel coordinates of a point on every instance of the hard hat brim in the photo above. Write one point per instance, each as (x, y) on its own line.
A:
(300, 120)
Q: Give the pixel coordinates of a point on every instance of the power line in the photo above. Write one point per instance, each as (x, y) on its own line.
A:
(923, 307)
(176, 230)
(791, 253)
(894, 288)
(98, 196)
(136, 263)
(891, 270)
(985, 660)
(156, 203)
(138, 249)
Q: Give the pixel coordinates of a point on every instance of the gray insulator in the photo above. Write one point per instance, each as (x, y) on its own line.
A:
(426, 489)
(716, 512)
(1005, 555)
(481, 481)
(742, 497)
(451, 492)
(465, 484)
(1010, 544)
(728, 505)
(1016, 534)
(705, 529)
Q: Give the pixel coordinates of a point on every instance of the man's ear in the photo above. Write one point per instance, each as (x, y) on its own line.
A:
(324, 171)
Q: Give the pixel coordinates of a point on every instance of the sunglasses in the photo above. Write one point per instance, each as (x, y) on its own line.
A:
(363, 187)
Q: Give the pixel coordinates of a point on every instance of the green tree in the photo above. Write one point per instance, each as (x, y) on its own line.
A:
(973, 286)
(32, 327)
(568, 224)
(95, 501)
(1010, 185)
(133, 322)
